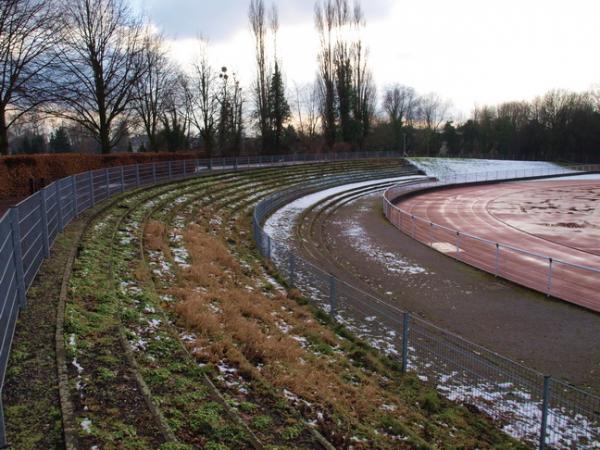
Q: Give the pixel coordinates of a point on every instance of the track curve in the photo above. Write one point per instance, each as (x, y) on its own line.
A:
(484, 309)
(557, 256)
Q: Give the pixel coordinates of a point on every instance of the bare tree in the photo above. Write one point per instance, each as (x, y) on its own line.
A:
(306, 111)
(258, 25)
(100, 58)
(517, 113)
(204, 97)
(231, 102)
(27, 32)
(399, 104)
(176, 116)
(347, 88)
(325, 24)
(344, 69)
(433, 111)
(364, 92)
(153, 88)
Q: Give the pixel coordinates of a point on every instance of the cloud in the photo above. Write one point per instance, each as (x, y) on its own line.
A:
(220, 20)
(465, 50)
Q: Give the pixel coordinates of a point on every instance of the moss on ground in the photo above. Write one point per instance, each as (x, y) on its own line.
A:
(112, 286)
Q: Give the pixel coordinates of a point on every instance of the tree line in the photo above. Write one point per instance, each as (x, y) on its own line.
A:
(103, 77)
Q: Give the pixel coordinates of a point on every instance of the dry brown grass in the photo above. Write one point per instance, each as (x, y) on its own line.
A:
(248, 329)
(211, 264)
(155, 236)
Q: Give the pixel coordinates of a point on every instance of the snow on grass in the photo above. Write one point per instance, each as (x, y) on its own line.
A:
(77, 366)
(86, 425)
(514, 406)
(521, 415)
(160, 266)
(362, 242)
(230, 377)
(441, 167)
(280, 224)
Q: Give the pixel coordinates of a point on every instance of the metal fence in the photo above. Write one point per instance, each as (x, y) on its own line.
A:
(576, 283)
(540, 410)
(28, 230)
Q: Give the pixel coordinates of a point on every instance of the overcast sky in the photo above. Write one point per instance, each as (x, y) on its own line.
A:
(471, 52)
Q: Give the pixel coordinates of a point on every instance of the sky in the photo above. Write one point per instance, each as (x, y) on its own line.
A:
(471, 52)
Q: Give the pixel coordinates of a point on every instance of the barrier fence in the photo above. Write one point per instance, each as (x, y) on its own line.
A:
(28, 230)
(540, 410)
(576, 283)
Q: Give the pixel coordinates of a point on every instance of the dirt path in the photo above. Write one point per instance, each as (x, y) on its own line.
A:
(357, 244)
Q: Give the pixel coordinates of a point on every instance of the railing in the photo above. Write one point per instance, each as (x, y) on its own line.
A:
(576, 283)
(28, 230)
(540, 410)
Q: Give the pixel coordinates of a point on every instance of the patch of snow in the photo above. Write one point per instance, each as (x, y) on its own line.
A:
(283, 326)
(361, 241)
(443, 167)
(86, 425)
(153, 324)
(281, 223)
(77, 365)
(301, 340)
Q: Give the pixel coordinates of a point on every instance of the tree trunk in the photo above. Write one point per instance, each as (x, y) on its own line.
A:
(3, 133)
(105, 139)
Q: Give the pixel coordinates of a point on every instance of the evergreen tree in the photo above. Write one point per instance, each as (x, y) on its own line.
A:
(59, 141)
(279, 109)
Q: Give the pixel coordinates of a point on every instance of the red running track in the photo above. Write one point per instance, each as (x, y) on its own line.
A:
(557, 219)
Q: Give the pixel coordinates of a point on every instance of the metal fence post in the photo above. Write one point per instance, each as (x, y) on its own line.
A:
(44, 214)
(107, 179)
(122, 179)
(431, 233)
(170, 170)
(185, 167)
(332, 296)
(91, 183)
(292, 269)
(497, 259)
(405, 322)
(154, 173)
(74, 188)
(137, 175)
(17, 255)
(545, 403)
(3, 442)
(268, 247)
(549, 276)
(61, 225)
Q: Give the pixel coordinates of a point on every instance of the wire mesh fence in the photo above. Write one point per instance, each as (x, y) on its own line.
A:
(537, 409)
(28, 230)
(569, 281)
